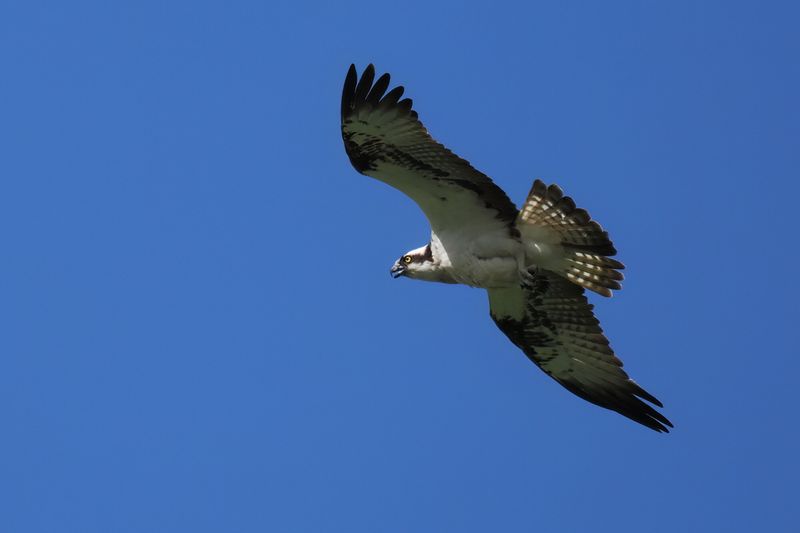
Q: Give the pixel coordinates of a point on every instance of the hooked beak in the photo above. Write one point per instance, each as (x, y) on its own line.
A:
(397, 270)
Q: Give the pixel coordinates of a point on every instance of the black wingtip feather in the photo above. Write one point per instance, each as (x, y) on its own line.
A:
(364, 84)
(378, 89)
(639, 391)
(348, 91)
(393, 96)
(360, 91)
(638, 411)
(405, 104)
(627, 405)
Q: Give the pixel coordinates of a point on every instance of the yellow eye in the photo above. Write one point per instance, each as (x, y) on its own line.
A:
(406, 259)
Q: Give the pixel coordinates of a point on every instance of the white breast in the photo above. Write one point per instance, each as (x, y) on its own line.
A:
(488, 262)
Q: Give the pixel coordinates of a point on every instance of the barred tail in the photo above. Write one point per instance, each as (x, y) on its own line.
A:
(586, 245)
(594, 272)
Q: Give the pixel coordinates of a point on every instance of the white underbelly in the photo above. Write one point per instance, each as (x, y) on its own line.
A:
(489, 273)
(487, 262)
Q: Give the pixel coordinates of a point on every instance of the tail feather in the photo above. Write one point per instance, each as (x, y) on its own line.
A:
(586, 245)
(547, 206)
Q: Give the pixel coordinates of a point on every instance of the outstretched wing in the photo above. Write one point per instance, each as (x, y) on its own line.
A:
(551, 321)
(384, 139)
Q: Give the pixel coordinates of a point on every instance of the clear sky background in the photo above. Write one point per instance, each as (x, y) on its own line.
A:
(198, 331)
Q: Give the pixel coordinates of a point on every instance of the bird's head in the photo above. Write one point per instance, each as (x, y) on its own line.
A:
(417, 264)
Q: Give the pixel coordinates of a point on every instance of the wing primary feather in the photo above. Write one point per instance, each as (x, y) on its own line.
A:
(364, 85)
(349, 91)
(392, 97)
(378, 89)
(639, 391)
(405, 104)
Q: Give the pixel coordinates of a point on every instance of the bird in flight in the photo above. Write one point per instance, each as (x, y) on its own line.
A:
(535, 263)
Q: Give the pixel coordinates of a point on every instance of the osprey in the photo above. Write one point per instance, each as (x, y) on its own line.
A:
(534, 263)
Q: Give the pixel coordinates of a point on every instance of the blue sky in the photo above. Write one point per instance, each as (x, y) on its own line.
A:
(199, 332)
